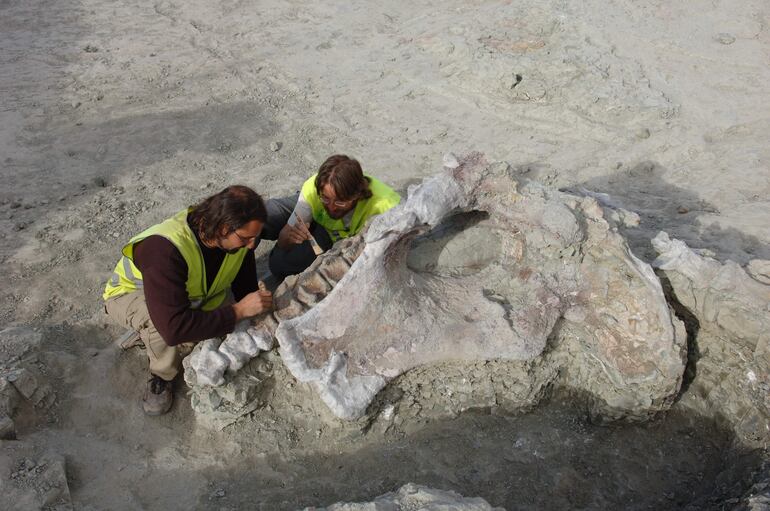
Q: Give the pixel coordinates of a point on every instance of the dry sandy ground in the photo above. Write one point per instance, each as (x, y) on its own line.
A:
(116, 114)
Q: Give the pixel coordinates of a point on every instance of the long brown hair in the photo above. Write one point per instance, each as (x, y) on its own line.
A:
(345, 176)
(230, 209)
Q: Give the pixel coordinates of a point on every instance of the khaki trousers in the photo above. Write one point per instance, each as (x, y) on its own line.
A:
(130, 310)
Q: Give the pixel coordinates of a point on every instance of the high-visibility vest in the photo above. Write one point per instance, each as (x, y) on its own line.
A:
(127, 278)
(383, 198)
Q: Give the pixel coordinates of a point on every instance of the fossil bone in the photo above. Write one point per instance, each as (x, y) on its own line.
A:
(470, 267)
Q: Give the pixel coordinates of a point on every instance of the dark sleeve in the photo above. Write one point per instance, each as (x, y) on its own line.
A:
(164, 272)
(246, 280)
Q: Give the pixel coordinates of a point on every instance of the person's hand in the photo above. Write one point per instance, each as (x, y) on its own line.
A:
(293, 235)
(253, 304)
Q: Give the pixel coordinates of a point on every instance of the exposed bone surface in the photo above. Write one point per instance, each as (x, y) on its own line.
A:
(412, 496)
(731, 308)
(722, 294)
(215, 357)
(477, 265)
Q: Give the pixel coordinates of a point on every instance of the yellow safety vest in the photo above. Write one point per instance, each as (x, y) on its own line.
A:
(383, 198)
(127, 278)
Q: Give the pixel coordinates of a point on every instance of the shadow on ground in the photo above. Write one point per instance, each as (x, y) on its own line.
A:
(552, 458)
(106, 149)
(664, 207)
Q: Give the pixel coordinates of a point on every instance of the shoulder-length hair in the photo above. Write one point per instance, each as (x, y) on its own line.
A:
(345, 176)
(230, 209)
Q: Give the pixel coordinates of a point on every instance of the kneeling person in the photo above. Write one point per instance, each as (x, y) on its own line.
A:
(173, 281)
(333, 204)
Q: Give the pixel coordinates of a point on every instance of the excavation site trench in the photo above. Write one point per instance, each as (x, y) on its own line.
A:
(550, 458)
(291, 454)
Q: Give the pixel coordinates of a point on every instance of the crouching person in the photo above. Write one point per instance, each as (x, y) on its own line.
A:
(172, 284)
(334, 203)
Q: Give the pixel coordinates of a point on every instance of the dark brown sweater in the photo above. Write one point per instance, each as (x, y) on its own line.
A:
(164, 272)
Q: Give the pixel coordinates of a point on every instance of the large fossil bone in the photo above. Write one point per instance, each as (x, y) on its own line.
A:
(470, 267)
(730, 310)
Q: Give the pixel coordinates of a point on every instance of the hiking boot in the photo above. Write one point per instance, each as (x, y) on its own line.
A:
(158, 396)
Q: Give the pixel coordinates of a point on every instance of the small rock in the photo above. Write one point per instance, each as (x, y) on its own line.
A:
(25, 382)
(275, 146)
(15, 205)
(724, 38)
(218, 493)
(75, 104)
(90, 49)
(19, 226)
(450, 161)
(99, 182)
(643, 134)
(682, 210)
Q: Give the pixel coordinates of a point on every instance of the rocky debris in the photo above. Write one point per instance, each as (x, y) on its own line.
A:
(730, 309)
(29, 385)
(21, 376)
(758, 500)
(221, 405)
(18, 343)
(413, 496)
(475, 265)
(9, 397)
(39, 483)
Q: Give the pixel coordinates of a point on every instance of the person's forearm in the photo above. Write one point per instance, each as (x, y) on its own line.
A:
(194, 325)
